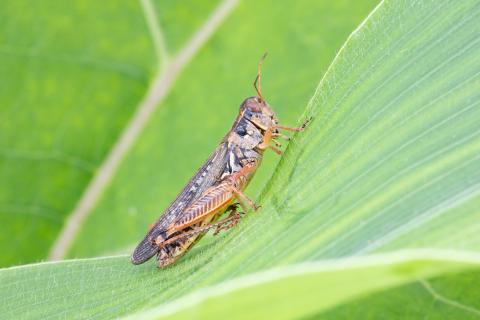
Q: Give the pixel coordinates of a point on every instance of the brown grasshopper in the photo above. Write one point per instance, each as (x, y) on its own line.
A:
(217, 187)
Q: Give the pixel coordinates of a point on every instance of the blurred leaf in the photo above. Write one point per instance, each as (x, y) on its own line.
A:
(71, 76)
(390, 162)
(446, 297)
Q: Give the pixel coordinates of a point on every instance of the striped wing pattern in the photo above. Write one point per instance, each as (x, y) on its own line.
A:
(210, 203)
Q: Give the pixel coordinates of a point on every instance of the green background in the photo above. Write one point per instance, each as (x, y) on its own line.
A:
(72, 75)
(372, 212)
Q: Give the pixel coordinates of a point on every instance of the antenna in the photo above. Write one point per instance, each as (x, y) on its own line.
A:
(258, 79)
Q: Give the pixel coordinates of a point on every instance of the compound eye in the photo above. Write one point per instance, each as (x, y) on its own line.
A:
(248, 114)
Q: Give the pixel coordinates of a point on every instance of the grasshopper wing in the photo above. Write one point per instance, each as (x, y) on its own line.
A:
(207, 176)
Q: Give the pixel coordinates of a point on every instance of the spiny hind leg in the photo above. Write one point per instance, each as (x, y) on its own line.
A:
(199, 229)
(171, 250)
(224, 224)
(231, 221)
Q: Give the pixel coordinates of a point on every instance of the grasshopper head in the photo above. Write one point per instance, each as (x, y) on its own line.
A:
(257, 110)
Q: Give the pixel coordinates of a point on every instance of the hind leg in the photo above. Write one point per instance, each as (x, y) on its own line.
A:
(230, 221)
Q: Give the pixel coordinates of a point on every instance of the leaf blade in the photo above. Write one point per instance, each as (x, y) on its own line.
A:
(341, 191)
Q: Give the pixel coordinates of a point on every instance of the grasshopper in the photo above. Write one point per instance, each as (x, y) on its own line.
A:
(217, 187)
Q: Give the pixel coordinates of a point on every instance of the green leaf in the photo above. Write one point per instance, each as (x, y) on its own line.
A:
(373, 209)
(286, 293)
(75, 76)
(111, 287)
(71, 77)
(446, 297)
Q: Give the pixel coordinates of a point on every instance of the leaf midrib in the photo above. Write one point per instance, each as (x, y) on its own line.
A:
(157, 92)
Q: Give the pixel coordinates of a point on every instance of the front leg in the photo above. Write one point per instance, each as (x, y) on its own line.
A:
(272, 132)
(280, 135)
